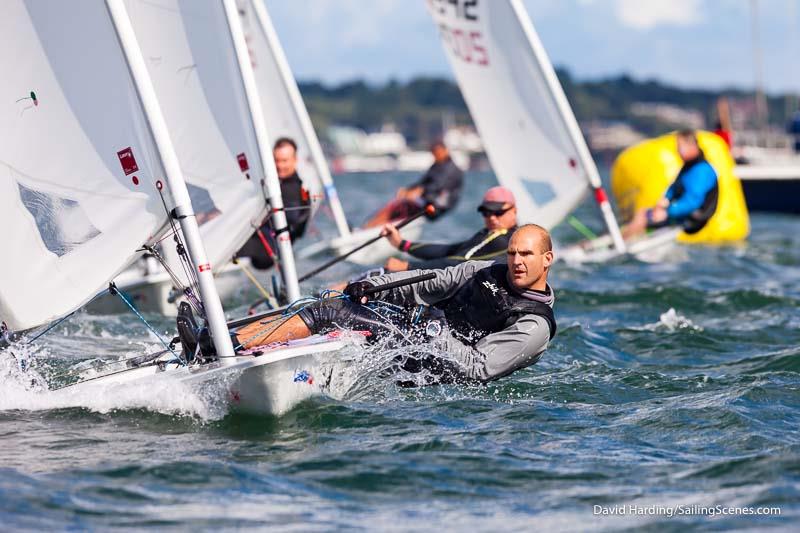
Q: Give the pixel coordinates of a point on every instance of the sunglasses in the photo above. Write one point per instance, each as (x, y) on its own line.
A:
(493, 212)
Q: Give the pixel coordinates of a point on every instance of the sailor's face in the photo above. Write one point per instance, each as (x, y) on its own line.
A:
(285, 160)
(688, 150)
(527, 259)
(440, 153)
(506, 218)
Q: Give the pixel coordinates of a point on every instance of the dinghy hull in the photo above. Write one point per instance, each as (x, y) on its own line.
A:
(373, 254)
(271, 383)
(650, 248)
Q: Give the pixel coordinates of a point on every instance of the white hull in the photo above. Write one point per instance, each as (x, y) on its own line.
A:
(649, 248)
(771, 187)
(757, 172)
(373, 254)
(268, 384)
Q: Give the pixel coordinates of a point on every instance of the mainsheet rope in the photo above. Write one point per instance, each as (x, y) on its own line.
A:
(287, 313)
(374, 306)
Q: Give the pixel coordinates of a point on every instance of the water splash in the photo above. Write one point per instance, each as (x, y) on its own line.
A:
(24, 387)
(670, 321)
(673, 321)
(389, 370)
(358, 373)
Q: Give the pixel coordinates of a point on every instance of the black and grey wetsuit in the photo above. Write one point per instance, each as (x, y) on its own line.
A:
(490, 328)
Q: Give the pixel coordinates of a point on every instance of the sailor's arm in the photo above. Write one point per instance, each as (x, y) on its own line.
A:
(446, 282)
(420, 250)
(499, 354)
(423, 180)
(428, 250)
(492, 247)
(697, 183)
(669, 194)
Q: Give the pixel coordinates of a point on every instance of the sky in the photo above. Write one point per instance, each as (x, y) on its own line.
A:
(689, 43)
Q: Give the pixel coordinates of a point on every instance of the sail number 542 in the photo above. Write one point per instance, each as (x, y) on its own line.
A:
(466, 9)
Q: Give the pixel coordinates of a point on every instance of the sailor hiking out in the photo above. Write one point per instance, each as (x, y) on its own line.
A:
(499, 212)
(692, 198)
(440, 187)
(484, 319)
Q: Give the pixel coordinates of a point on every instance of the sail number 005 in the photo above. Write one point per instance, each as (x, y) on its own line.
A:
(467, 45)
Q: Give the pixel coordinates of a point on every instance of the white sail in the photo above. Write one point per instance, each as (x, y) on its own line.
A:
(258, 117)
(191, 60)
(284, 110)
(78, 166)
(84, 148)
(527, 128)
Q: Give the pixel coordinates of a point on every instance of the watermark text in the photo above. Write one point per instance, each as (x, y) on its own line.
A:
(682, 510)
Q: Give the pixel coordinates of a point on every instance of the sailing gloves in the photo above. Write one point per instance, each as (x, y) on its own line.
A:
(358, 291)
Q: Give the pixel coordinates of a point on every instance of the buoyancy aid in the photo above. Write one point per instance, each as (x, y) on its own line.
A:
(698, 218)
(488, 303)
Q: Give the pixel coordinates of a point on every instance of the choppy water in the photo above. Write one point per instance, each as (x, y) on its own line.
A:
(669, 386)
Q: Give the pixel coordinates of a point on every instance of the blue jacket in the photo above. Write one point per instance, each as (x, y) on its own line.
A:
(691, 188)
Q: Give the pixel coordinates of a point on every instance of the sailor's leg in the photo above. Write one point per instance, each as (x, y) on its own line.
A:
(636, 226)
(259, 333)
(320, 317)
(261, 257)
(340, 313)
(382, 216)
(434, 370)
(394, 210)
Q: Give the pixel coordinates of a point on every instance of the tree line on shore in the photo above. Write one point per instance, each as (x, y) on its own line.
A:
(420, 107)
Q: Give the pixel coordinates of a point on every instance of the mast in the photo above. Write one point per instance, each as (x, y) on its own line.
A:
(288, 267)
(215, 316)
(762, 110)
(791, 95)
(578, 141)
(302, 114)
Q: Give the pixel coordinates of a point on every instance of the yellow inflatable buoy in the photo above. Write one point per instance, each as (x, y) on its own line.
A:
(642, 174)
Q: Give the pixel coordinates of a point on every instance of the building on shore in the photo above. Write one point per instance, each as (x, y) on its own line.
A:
(355, 150)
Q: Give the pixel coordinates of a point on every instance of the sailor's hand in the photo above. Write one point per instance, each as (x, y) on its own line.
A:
(658, 214)
(394, 264)
(392, 235)
(357, 291)
(401, 193)
(414, 193)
